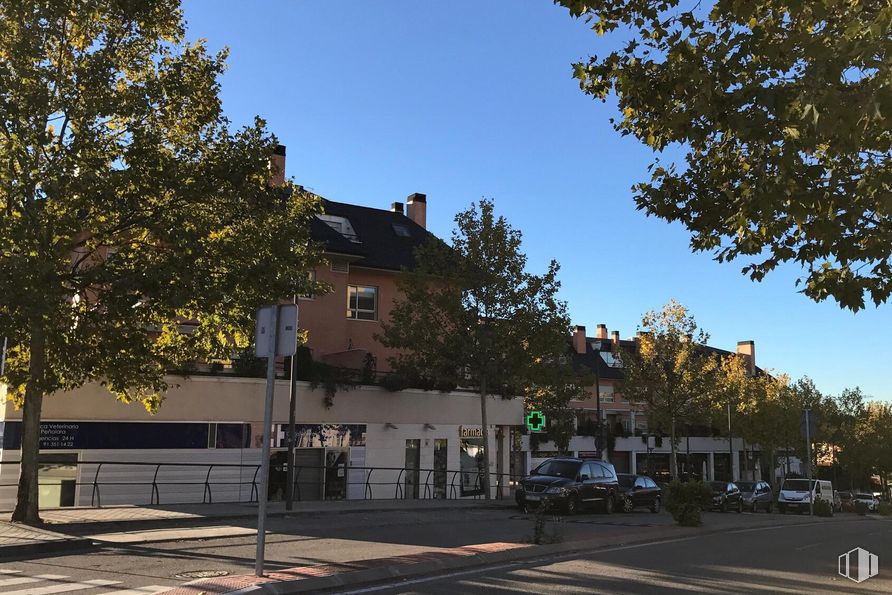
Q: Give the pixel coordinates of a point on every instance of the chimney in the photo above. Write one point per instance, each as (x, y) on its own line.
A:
(601, 333)
(416, 208)
(397, 207)
(277, 166)
(579, 339)
(614, 338)
(748, 350)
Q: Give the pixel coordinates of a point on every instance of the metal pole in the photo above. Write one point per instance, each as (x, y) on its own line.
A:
(267, 431)
(292, 403)
(730, 446)
(3, 358)
(811, 499)
(598, 407)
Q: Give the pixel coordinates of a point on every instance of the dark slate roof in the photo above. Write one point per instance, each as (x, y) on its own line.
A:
(378, 246)
(591, 358)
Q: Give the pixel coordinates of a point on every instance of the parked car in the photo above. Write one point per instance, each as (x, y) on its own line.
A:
(847, 501)
(794, 494)
(639, 490)
(837, 502)
(726, 496)
(872, 502)
(756, 495)
(569, 484)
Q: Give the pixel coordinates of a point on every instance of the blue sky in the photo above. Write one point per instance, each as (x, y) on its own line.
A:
(462, 100)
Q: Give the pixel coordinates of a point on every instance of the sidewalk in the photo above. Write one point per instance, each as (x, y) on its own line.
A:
(72, 528)
(18, 540)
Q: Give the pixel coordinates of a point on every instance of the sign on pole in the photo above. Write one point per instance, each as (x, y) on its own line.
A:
(807, 424)
(536, 421)
(275, 335)
(286, 343)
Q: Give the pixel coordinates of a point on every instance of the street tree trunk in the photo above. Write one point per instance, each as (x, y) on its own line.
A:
(26, 508)
(673, 461)
(485, 428)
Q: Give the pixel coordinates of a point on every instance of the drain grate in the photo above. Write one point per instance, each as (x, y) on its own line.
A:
(202, 574)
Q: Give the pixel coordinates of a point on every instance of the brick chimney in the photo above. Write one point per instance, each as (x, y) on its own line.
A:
(416, 208)
(601, 333)
(748, 350)
(579, 339)
(397, 207)
(614, 338)
(277, 166)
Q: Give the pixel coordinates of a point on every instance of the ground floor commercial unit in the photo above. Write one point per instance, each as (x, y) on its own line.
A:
(204, 444)
(703, 458)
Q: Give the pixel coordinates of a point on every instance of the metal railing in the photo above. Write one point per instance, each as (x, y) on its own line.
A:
(438, 483)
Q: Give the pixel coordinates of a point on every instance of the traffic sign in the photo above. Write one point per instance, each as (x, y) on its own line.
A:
(535, 421)
(808, 416)
(286, 338)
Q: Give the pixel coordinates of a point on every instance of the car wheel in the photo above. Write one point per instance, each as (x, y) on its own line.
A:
(571, 506)
(739, 506)
(628, 505)
(609, 504)
(724, 506)
(655, 507)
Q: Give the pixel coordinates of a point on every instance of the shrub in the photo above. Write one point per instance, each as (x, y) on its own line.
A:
(540, 535)
(822, 508)
(685, 500)
(861, 507)
(885, 509)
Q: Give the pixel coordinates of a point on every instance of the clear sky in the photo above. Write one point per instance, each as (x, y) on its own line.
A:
(467, 99)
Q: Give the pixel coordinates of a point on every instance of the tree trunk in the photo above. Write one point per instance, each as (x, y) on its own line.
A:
(485, 429)
(673, 462)
(26, 508)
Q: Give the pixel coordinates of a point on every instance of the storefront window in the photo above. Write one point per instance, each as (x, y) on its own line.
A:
(471, 466)
(440, 466)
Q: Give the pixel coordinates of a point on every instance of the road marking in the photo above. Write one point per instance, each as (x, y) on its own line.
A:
(140, 591)
(63, 588)
(2, 571)
(805, 547)
(24, 580)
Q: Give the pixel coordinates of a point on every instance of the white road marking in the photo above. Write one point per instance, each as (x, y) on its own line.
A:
(64, 587)
(10, 571)
(24, 580)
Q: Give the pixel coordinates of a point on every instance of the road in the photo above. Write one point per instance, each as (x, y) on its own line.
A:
(169, 554)
(798, 558)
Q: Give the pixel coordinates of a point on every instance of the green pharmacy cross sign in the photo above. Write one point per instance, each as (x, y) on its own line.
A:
(535, 421)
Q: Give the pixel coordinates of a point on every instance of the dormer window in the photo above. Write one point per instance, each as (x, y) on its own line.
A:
(341, 225)
(401, 230)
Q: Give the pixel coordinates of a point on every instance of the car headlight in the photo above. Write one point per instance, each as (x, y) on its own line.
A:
(556, 490)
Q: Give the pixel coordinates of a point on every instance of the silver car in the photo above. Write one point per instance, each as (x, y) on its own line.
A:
(756, 495)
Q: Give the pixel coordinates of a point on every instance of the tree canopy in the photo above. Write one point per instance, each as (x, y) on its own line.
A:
(471, 315)
(782, 110)
(137, 229)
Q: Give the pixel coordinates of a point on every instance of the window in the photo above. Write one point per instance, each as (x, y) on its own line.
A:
(362, 302)
(401, 230)
(649, 482)
(640, 483)
(340, 267)
(607, 394)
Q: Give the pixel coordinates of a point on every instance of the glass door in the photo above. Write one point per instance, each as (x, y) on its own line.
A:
(413, 464)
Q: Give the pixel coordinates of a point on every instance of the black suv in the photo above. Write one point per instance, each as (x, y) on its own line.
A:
(726, 496)
(569, 484)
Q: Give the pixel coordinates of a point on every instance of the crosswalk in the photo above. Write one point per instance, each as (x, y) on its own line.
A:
(13, 582)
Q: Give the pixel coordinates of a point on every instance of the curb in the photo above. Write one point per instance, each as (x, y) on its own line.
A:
(81, 525)
(56, 546)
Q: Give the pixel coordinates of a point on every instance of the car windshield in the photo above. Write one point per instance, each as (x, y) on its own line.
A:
(626, 481)
(718, 485)
(796, 485)
(746, 486)
(865, 496)
(558, 468)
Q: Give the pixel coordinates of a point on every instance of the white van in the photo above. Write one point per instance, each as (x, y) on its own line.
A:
(793, 494)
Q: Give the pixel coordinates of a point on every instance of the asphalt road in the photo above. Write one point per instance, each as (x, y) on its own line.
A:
(788, 558)
(171, 554)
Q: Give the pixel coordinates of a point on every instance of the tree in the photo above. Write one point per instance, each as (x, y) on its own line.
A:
(472, 315)
(129, 208)
(782, 110)
(669, 372)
